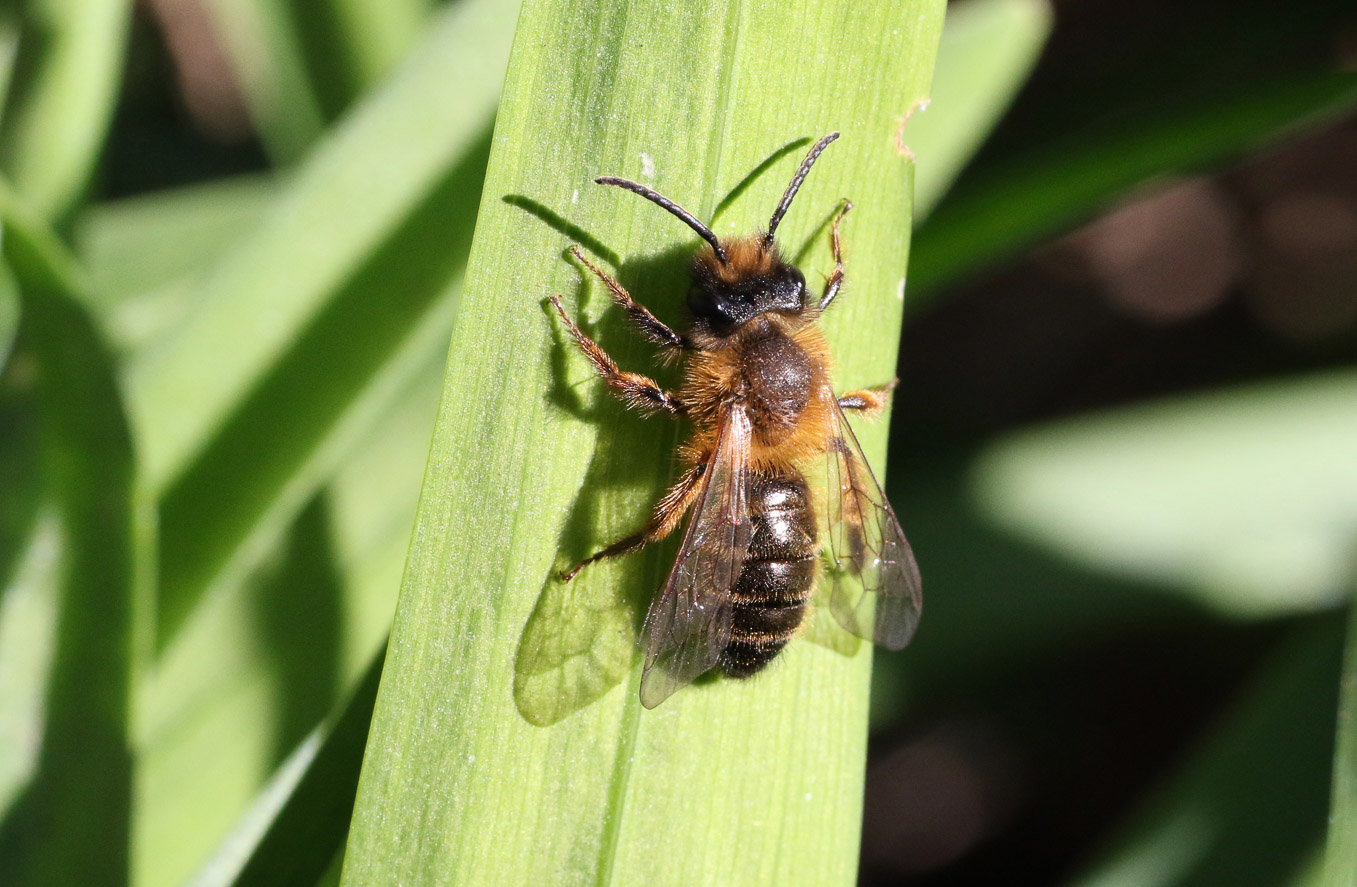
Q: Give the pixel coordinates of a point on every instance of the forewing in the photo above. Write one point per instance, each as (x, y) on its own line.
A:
(688, 625)
(875, 579)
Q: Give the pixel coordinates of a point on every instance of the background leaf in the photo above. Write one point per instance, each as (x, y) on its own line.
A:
(1246, 499)
(80, 790)
(1340, 863)
(1242, 811)
(381, 254)
(66, 75)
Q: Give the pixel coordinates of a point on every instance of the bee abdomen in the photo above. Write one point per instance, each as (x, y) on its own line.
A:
(769, 597)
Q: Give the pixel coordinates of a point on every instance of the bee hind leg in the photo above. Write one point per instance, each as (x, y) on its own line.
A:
(668, 512)
(636, 391)
(868, 401)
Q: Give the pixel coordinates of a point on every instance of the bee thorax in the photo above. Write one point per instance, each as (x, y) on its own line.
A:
(778, 376)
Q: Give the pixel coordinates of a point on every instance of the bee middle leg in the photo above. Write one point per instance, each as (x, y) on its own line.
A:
(636, 391)
(868, 401)
(835, 280)
(668, 512)
(650, 326)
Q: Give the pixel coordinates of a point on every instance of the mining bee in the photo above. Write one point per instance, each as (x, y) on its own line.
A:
(756, 389)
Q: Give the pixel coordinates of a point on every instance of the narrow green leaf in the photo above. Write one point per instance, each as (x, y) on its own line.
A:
(1340, 863)
(303, 64)
(1015, 203)
(1248, 807)
(28, 615)
(532, 465)
(148, 256)
(307, 329)
(377, 35)
(238, 686)
(9, 312)
(298, 826)
(988, 49)
(140, 244)
(265, 52)
(360, 187)
(80, 795)
(64, 90)
(1243, 499)
(11, 25)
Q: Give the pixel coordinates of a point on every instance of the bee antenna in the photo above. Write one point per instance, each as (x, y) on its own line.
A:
(665, 203)
(795, 186)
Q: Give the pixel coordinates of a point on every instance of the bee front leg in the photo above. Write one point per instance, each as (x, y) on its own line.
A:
(636, 391)
(650, 326)
(836, 278)
(868, 401)
(668, 512)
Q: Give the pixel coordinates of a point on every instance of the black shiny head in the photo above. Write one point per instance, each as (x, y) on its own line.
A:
(723, 298)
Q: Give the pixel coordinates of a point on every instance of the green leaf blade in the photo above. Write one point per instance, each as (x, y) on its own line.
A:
(81, 791)
(64, 90)
(1242, 499)
(988, 49)
(609, 792)
(1340, 856)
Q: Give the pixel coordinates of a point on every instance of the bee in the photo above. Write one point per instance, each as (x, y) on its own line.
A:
(756, 389)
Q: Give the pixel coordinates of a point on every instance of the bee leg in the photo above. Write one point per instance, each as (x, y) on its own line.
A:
(650, 326)
(836, 278)
(668, 512)
(636, 391)
(868, 401)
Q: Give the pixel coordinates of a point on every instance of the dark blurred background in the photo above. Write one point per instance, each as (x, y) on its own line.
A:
(1042, 753)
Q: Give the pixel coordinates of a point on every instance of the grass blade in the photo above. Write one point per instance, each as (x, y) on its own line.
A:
(265, 50)
(1244, 500)
(303, 64)
(9, 313)
(298, 827)
(1340, 862)
(66, 79)
(148, 257)
(254, 670)
(80, 796)
(306, 330)
(727, 783)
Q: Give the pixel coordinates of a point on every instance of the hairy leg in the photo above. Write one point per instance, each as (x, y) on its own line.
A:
(636, 391)
(836, 278)
(651, 327)
(668, 512)
(868, 401)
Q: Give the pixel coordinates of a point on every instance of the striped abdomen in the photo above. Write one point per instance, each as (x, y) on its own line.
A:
(771, 593)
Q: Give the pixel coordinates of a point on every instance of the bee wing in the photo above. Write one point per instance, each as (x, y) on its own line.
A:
(876, 588)
(688, 625)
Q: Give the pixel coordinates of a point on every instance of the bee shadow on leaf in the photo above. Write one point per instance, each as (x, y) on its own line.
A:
(580, 640)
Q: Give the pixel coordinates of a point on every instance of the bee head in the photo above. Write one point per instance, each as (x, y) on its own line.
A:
(735, 281)
(754, 280)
